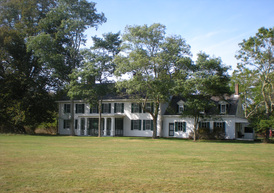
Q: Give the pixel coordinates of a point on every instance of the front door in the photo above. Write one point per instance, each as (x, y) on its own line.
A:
(82, 126)
(108, 126)
(119, 126)
(171, 129)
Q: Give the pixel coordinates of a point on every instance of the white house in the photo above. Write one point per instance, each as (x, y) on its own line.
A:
(122, 116)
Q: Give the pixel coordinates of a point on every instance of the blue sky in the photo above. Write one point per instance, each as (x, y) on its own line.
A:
(212, 26)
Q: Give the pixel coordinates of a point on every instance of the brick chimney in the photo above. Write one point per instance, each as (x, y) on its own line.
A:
(236, 89)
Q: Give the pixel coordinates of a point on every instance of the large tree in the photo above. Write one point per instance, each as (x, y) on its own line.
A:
(24, 94)
(257, 54)
(151, 60)
(62, 34)
(208, 79)
(92, 81)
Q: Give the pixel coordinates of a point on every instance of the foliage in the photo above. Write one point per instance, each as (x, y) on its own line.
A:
(209, 78)
(91, 81)
(255, 73)
(24, 96)
(151, 60)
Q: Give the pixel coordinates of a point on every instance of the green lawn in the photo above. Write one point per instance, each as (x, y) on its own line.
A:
(122, 164)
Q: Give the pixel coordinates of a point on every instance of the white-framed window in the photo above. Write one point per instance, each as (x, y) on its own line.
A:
(180, 126)
(223, 107)
(147, 124)
(219, 125)
(181, 106)
(80, 108)
(66, 108)
(136, 108)
(93, 109)
(106, 108)
(118, 107)
(136, 124)
(149, 107)
(66, 124)
(204, 124)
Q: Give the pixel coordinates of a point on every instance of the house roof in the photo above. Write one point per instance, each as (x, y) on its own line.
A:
(231, 101)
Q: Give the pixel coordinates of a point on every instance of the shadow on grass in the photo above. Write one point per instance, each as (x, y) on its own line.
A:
(271, 141)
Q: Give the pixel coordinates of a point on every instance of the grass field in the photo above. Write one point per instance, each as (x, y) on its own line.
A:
(122, 164)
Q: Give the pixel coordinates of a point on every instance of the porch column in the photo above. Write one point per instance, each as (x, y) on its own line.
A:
(105, 126)
(112, 131)
(86, 127)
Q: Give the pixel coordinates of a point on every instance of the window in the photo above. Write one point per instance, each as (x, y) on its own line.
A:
(180, 126)
(136, 108)
(66, 124)
(149, 107)
(248, 130)
(66, 108)
(94, 109)
(147, 124)
(136, 124)
(80, 108)
(219, 125)
(106, 108)
(180, 108)
(223, 108)
(118, 107)
(204, 125)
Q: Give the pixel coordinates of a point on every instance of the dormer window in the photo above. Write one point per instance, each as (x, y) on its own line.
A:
(223, 106)
(180, 106)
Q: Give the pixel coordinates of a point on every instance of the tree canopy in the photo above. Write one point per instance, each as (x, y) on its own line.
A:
(151, 59)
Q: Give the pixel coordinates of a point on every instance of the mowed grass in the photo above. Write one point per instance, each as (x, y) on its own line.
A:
(123, 164)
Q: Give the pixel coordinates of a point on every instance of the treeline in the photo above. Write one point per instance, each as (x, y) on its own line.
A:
(42, 59)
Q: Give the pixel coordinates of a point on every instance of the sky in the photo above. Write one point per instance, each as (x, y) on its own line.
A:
(215, 27)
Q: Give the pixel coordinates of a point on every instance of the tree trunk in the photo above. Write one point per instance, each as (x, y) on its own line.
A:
(72, 132)
(155, 117)
(196, 119)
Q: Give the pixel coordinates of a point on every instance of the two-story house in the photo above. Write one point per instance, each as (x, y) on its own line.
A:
(122, 116)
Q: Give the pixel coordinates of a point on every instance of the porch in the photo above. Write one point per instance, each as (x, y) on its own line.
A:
(110, 126)
(244, 132)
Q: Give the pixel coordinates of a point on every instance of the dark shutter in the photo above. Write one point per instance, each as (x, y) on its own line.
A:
(76, 108)
(131, 124)
(115, 107)
(151, 125)
(207, 125)
(109, 108)
(122, 107)
(184, 126)
(144, 124)
(140, 108)
(76, 124)
(224, 125)
(152, 107)
(132, 107)
(176, 126)
(140, 124)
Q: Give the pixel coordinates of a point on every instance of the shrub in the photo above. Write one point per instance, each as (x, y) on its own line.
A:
(218, 133)
(204, 133)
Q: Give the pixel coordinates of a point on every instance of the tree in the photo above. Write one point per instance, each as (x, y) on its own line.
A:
(58, 45)
(209, 78)
(24, 94)
(257, 54)
(151, 60)
(91, 81)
